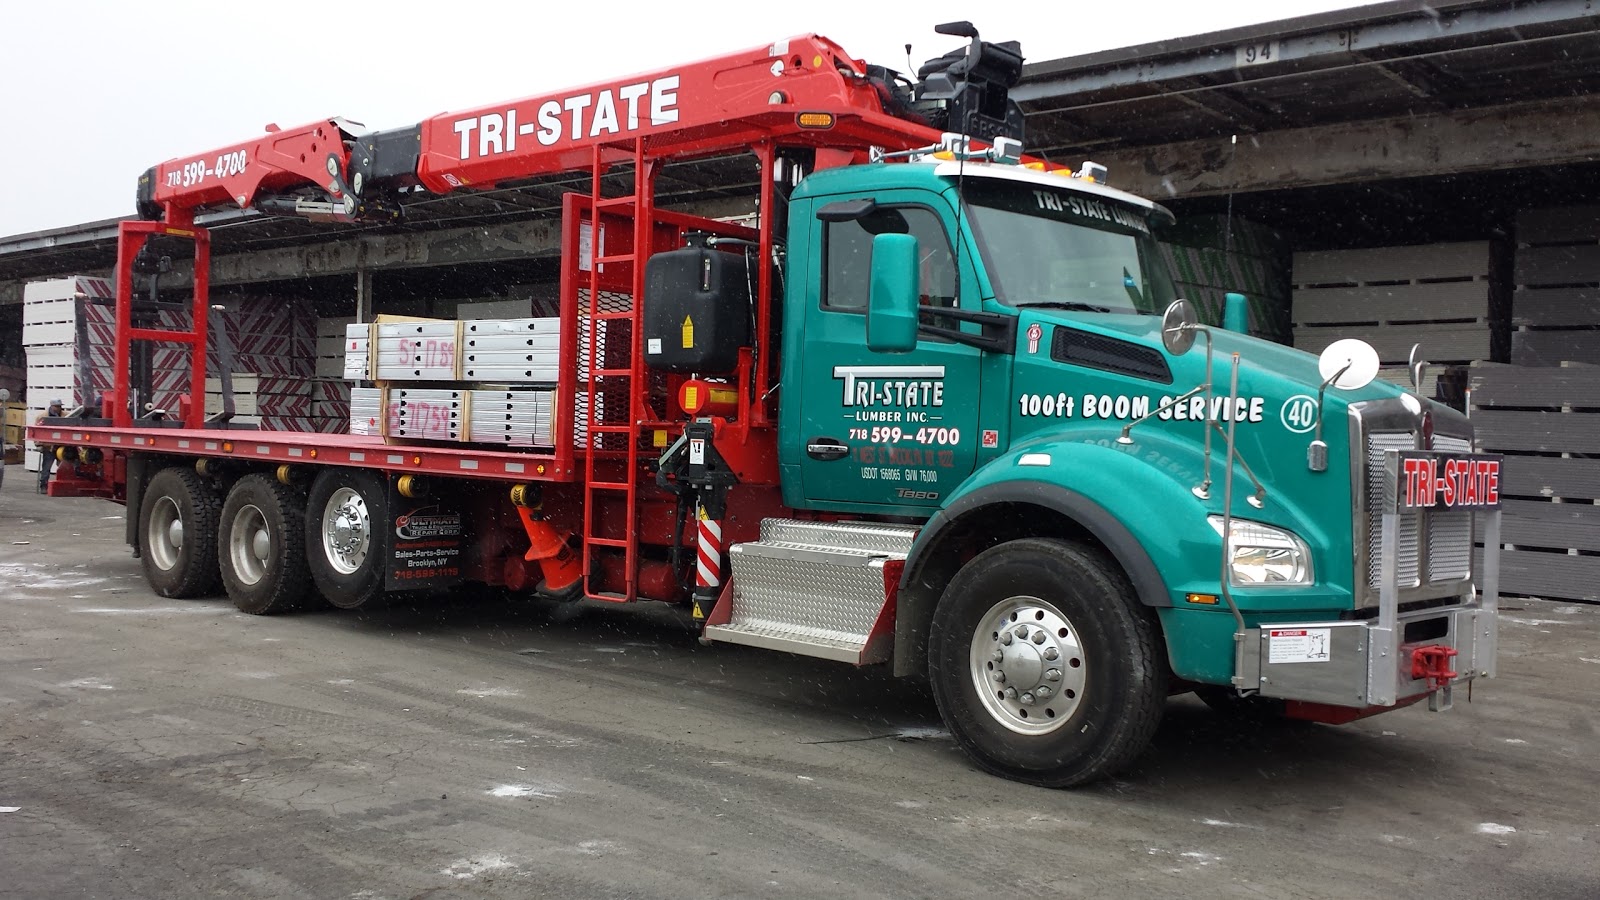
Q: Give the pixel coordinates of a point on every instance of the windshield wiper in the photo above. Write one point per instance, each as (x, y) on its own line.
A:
(1070, 304)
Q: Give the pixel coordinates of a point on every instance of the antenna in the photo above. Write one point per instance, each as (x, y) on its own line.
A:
(964, 144)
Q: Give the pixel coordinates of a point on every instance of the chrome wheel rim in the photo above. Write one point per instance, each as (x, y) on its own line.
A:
(163, 535)
(249, 544)
(1027, 665)
(346, 531)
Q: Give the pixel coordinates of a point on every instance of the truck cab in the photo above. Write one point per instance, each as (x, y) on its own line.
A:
(980, 358)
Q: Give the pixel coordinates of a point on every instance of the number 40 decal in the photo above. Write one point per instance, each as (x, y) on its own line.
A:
(1299, 413)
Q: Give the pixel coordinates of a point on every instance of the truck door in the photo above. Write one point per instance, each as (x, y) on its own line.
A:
(884, 429)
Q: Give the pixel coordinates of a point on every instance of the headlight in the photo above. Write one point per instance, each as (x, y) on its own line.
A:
(1261, 554)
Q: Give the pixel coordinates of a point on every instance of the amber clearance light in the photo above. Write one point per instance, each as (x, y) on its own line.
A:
(814, 120)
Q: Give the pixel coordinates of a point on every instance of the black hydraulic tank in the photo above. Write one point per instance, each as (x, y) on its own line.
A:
(696, 309)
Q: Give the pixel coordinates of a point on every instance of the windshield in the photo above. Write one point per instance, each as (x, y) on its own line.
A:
(1058, 247)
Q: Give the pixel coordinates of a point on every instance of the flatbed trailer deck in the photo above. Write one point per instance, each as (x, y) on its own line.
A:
(292, 447)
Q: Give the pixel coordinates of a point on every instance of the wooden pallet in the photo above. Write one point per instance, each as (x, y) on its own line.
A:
(1555, 311)
(1443, 296)
(1547, 422)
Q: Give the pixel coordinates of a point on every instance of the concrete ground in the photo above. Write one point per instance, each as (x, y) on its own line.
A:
(160, 748)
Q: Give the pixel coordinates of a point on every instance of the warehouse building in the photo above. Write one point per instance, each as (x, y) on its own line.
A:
(1407, 172)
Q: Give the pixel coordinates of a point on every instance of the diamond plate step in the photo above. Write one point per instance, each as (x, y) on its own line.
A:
(814, 589)
(886, 540)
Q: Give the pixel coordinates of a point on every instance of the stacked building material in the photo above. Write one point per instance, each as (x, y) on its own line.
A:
(331, 331)
(514, 418)
(366, 411)
(246, 411)
(272, 340)
(330, 405)
(50, 315)
(356, 356)
(1547, 422)
(15, 418)
(515, 351)
(1556, 308)
(1439, 295)
(480, 380)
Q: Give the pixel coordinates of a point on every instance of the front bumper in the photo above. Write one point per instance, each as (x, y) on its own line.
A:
(1393, 657)
(1365, 664)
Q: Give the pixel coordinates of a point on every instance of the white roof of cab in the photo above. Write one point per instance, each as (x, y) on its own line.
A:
(978, 169)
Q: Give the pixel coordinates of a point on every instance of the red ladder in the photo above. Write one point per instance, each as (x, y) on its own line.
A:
(617, 367)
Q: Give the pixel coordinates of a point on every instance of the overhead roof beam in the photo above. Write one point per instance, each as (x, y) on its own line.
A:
(1331, 45)
(1547, 133)
(1411, 85)
(454, 246)
(509, 241)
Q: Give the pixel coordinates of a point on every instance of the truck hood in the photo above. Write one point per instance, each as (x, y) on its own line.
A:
(1256, 356)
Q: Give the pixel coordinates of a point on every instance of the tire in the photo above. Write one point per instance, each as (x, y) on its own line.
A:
(346, 541)
(178, 516)
(261, 546)
(1078, 644)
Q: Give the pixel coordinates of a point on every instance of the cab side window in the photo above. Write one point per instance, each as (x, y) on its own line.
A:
(847, 252)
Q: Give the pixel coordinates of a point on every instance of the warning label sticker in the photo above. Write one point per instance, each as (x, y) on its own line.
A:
(1297, 645)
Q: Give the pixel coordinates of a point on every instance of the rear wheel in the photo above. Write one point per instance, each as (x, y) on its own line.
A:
(1044, 664)
(178, 534)
(261, 546)
(346, 541)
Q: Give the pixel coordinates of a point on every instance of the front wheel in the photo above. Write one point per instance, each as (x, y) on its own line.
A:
(1044, 664)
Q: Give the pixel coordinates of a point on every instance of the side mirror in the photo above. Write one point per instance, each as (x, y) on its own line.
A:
(1348, 364)
(1179, 325)
(1236, 313)
(892, 298)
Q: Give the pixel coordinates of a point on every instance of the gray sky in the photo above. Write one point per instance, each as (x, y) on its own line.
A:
(93, 92)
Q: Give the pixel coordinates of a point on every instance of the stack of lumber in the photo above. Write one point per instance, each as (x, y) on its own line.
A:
(1546, 420)
(1442, 296)
(1556, 308)
(476, 380)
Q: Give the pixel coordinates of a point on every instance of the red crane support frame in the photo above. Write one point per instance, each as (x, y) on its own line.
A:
(131, 238)
(801, 93)
(751, 100)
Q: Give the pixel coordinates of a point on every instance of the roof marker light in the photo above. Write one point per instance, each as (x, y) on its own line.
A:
(1006, 151)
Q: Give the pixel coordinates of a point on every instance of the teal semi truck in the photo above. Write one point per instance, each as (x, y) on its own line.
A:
(938, 408)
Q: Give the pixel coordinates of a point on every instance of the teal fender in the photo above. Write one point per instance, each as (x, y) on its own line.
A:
(1135, 501)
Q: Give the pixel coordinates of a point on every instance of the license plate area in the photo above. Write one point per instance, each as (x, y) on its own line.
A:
(1321, 662)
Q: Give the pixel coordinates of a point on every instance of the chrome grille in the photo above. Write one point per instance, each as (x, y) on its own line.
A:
(1450, 532)
(1408, 565)
(1450, 545)
(1435, 546)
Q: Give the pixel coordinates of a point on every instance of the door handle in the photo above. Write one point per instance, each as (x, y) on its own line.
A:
(826, 449)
